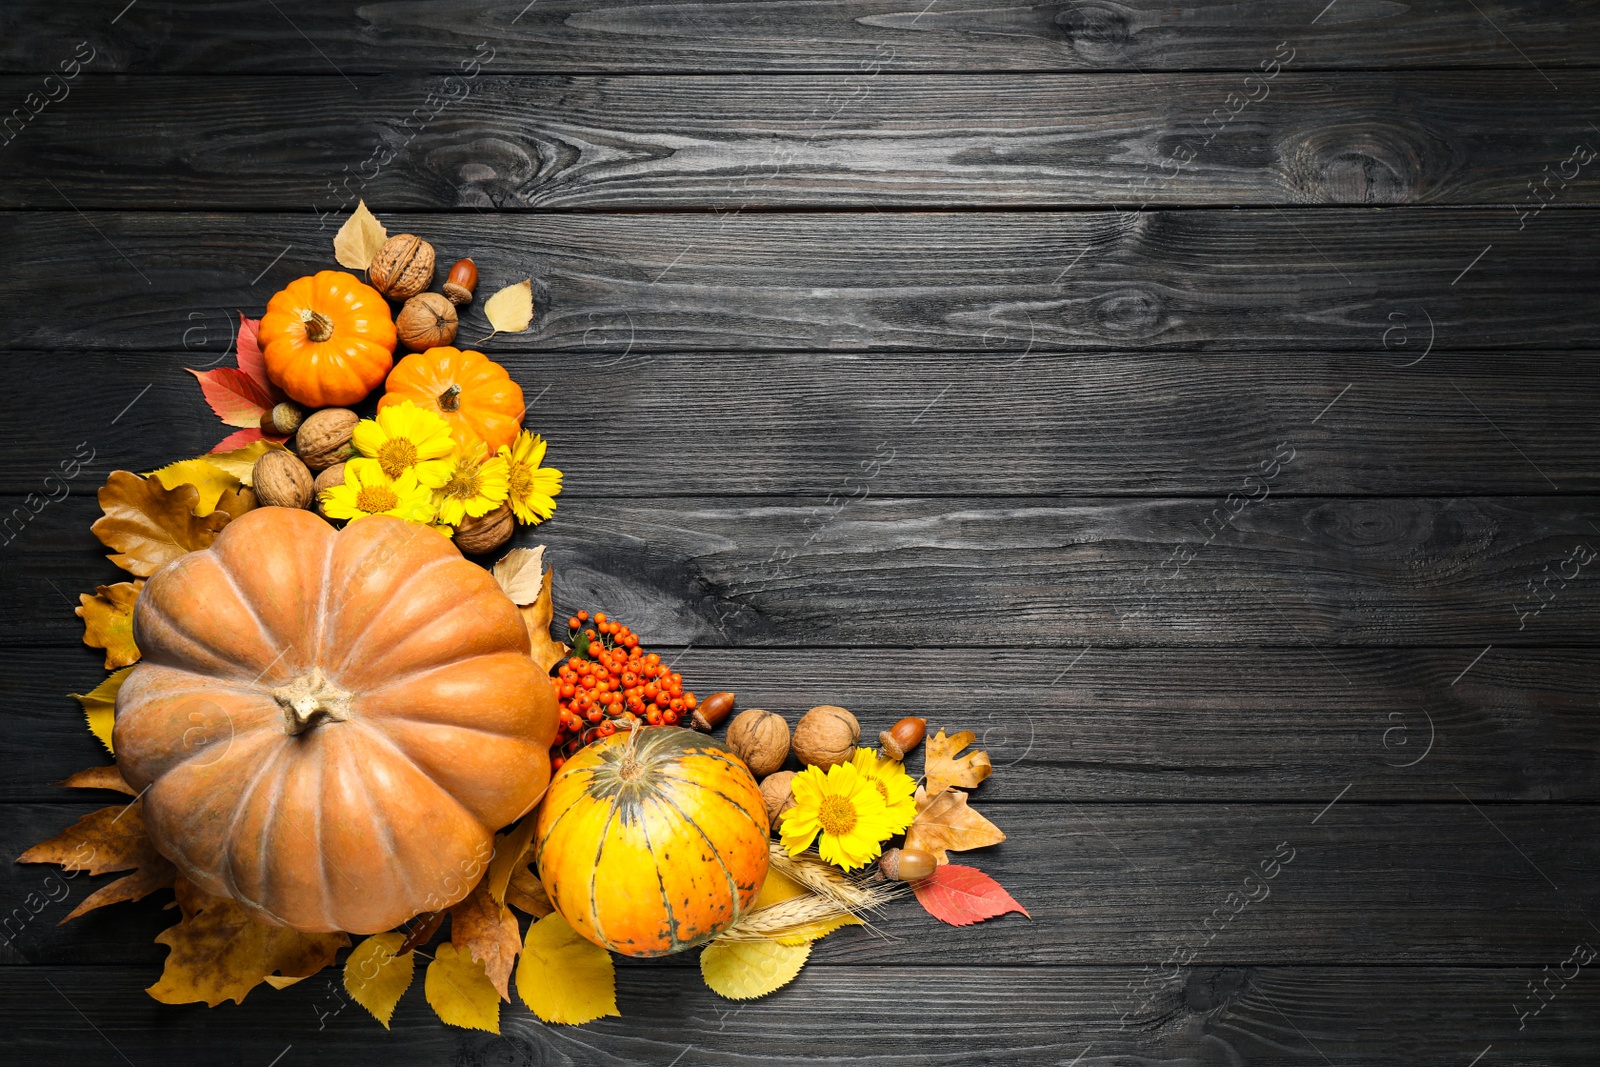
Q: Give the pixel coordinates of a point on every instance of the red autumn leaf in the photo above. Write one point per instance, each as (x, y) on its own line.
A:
(249, 354)
(240, 438)
(962, 896)
(235, 396)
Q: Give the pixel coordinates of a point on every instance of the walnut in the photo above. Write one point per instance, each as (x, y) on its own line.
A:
(427, 321)
(776, 790)
(281, 480)
(761, 739)
(477, 536)
(329, 478)
(826, 735)
(324, 438)
(403, 267)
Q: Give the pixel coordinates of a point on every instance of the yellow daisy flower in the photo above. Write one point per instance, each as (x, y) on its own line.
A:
(367, 492)
(897, 787)
(845, 808)
(533, 488)
(405, 437)
(476, 484)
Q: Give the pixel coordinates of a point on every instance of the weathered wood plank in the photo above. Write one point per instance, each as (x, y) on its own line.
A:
(847, 36)
(985, 572)
(998, 284)
(1038, 1017)
(1084, 724)
(1114, 883)
(753, 142)
(1087, 423)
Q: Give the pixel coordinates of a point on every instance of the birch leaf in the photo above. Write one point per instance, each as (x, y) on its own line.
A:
(241, 462)
(100, 706)
(744, 970)
(377, 974)
(537, 616)
(359, 239)
(460, 992)
(563, 977)
(511, 309)
(520, 573)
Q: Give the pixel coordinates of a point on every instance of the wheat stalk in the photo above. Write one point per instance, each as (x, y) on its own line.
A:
(826, 880)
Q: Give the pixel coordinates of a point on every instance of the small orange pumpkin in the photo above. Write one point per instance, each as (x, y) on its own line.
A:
(652, 842)
(470, 390)
(328, 727)
(328, 339)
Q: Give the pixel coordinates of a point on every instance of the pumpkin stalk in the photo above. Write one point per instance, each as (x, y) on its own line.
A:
(311, 699)
(318, 327)
(450, 399)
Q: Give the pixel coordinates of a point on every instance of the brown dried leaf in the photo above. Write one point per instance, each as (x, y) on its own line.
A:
(111, 839)
(149, 524)
(359, 239)
(220, 953)
(98, 778)
(944, 770)
(108, 621)
(526, 893)
(945, 824)
(509, 848)
(537, 616)
(510, 310)
(486, 930)
(520, 573)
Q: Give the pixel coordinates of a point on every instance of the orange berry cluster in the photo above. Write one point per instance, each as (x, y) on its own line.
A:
(609, 683)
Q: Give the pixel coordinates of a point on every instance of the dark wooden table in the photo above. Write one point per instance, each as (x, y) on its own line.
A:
(1197, 401)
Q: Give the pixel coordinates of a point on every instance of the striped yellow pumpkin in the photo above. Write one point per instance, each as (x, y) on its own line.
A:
(652, 842)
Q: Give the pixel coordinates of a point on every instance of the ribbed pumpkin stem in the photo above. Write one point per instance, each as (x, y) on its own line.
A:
(450, 399)
(318, 327)
(311, 699)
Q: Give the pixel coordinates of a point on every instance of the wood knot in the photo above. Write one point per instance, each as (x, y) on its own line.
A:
(1129, 311)
(1098, 30)
(1369, 161)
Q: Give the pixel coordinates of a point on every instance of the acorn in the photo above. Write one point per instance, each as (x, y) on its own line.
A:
(282, 419)
(902, 737)
(462, 280)
(711, 712)
(907, 864)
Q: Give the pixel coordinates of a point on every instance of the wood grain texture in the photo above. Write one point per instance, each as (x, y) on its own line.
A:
(1115, 883)
(845, 36)
(1262, 1016)
(934, 424)
(1000, 284)
(979, 572)
(1227, 725)
(756, 142)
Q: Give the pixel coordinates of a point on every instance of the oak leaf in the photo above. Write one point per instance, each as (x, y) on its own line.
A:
(485, 929)
(537, 617)
(944, 770)
(525, 892)
(111, 839)
(108, 621)
(148, 524)
(107, 777)
(220, 953)
(460, 992)
(743, 970)
(563, 977)
(100, 706)
(962, 896)
(510, 310)
(359, 239)
(377, 973)
(945, 824)
(236, 397)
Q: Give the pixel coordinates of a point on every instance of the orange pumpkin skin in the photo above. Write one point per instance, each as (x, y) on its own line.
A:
(654, 847)
(327, 339)
(314, 810)
(469, 389)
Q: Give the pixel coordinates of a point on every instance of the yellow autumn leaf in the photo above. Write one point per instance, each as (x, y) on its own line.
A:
(375, 977)
(100, 706)
(511, 309)
(241, 462)
(359, 239)
(743, 970)
(108, 621)
(460, 991)
(778, 888)
(563, 977)
(210, 479)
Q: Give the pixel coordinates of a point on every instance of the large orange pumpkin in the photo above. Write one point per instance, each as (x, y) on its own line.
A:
(469, 389)
(652, 842)
(331, 725)
(327, 339)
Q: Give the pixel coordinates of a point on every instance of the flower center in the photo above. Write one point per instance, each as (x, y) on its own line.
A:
(374, 499)
(397, 456)
(521, 480)
(463, 483)
(837, 815)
